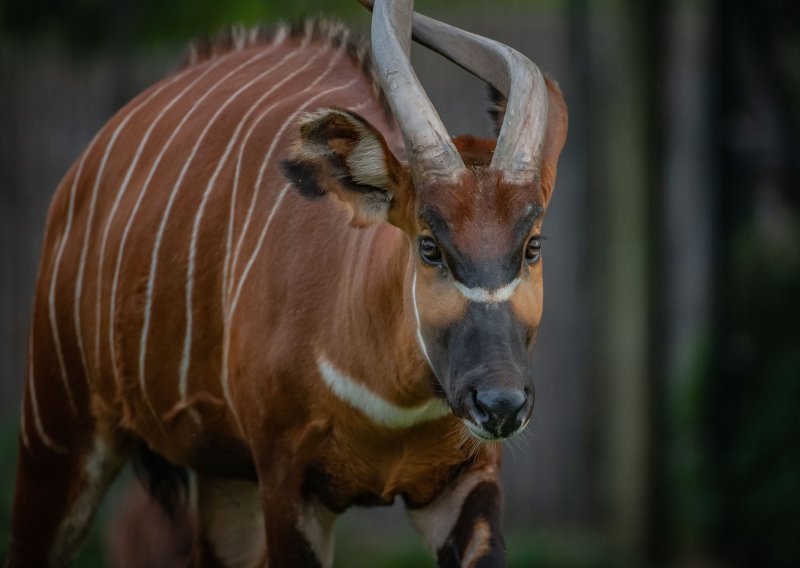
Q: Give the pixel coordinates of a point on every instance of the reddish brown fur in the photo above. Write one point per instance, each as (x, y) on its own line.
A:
(344, 293)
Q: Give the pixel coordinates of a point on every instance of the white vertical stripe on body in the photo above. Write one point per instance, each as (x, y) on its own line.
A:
(118, 198)
(51, 310)
(265, 161)
(140, 198)
(190, 269)
(37, 419)
(224, 379)
(168, 209)
(137, 204)
(51, 296)
(90, 216)
(227, 267)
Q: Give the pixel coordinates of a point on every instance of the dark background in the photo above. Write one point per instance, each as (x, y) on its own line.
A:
(667, 426)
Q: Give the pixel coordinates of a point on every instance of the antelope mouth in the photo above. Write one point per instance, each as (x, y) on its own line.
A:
(479, 433)
(483, 435)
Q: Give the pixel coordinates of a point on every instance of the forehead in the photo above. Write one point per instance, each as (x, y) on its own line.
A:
(481, 217)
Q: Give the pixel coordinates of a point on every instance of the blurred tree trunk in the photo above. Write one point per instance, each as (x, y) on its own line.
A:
(750, 420)
(632, 251)
(649, 24)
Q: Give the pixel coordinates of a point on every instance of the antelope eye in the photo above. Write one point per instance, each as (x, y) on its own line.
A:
(430, 251)
(533, 250)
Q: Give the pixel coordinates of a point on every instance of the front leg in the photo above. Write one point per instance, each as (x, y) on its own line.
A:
(299, 532)
(462, 526)
(299, 529)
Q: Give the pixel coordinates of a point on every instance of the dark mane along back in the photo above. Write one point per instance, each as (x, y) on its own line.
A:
(309, 30)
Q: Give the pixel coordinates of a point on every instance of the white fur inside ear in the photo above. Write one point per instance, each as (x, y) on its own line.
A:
(366, 161)
(373, 207)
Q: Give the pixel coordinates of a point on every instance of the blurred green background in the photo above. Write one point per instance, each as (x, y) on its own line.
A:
(668, 367)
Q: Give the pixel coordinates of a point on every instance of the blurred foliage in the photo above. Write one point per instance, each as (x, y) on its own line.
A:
(756, 429)
(87, 24)
(739, 428)
(738, 441)
(91, 24)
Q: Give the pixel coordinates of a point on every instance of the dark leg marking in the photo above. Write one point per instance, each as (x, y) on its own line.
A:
(476, 541)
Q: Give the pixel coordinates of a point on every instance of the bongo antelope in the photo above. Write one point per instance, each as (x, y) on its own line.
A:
(276, 269)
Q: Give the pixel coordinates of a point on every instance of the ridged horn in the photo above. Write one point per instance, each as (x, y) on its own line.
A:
(432, 155)
(519, 145)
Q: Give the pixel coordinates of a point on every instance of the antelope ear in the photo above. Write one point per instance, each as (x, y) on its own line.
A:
(340, 153)
(555, 138)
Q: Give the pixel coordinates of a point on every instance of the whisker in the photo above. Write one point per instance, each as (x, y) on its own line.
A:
(510, 445)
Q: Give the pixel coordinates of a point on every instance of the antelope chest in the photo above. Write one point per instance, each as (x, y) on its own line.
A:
(372, 470)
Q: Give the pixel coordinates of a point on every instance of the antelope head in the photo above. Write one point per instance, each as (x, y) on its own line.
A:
(471, 209)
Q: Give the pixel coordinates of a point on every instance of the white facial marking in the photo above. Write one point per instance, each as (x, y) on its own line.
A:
(436, 521)
(484, 296)
(373, 405)
(420, 340)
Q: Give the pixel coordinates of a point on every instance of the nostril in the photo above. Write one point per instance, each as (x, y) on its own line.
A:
(481, 411)
(516, 401)
(525, 409)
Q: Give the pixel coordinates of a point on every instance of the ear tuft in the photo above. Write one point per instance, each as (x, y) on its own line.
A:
(367, 164)
(340, 153)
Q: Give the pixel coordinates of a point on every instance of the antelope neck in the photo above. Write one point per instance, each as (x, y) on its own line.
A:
(373, 335)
